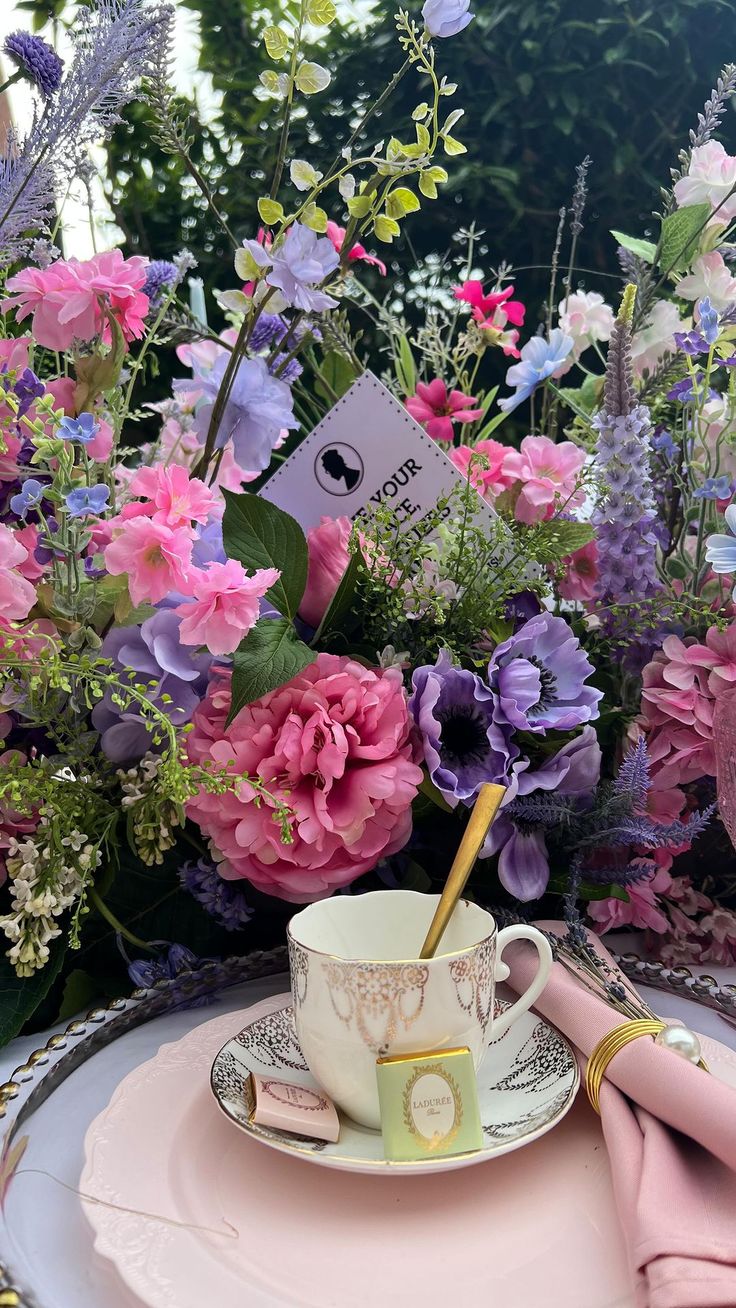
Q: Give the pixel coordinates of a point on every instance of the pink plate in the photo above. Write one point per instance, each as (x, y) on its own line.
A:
(537, 1227)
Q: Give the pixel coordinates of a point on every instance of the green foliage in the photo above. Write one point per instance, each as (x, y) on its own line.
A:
(261, 536)
(270, 655)
(22, 995)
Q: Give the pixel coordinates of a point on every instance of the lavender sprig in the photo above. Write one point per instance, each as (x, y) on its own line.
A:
(633, 779)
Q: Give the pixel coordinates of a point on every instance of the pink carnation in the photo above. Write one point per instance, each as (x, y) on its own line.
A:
(17, 595)
(155, 557)
(335, 744)
(548, 474)
(328, 559)
(581, 574)
(66, 298)
(173, 496)
(491, 480)
(225, 605)
(436, 411)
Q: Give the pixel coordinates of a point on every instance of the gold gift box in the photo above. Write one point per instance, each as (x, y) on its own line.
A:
(429, 1104)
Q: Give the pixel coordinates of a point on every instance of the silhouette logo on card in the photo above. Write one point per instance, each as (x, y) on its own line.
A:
(339, 469)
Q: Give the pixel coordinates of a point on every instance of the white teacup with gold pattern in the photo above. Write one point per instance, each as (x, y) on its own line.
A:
(360, 992)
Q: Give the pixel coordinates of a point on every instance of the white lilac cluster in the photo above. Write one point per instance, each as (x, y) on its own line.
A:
(43, 887)
(153, 816)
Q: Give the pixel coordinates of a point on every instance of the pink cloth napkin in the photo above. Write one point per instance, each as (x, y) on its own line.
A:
(670, 1131)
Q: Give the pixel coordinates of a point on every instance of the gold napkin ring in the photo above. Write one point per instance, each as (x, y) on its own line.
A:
(609, 1046)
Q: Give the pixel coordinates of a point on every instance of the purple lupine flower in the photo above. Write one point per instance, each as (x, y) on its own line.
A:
(258, 409)
(223, 900)
(154, 652)
(538, 678)
(82, 430)
(444, 18)
(540, 358)
(288, 373)
(573, 772)
(268, 328)
(300, 264)
(161, 275)
(37, 60)
(87, 501)
(32, 493)
(28, 387)
(463, 744)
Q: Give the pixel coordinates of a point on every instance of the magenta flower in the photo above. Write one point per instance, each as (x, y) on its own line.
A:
(328, 558)
(358, 252)
(436, 411)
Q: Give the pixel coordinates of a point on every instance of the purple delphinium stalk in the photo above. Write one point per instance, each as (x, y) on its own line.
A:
(161, 275)
(463, 744)
(155, 654)
(538, 678)
(37, 60)
(223, 900)
(259, 407)
(625, 517)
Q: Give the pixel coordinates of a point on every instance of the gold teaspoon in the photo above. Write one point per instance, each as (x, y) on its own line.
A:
(484, 811)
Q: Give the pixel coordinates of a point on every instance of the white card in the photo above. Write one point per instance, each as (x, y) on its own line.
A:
(367, 450)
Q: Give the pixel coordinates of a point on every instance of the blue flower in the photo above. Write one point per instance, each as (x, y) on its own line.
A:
(161, 275)
(28, 387)
(300, 265)
(691, 343)
(720, 550)
(539, 359)
(708, 320)
(714, 488)
(82, 429)
(87, 501)
(178, 962)
(31, 495)
(36, 59)
(688, 391)
(446, 17)
(223, 900)
(663, 444)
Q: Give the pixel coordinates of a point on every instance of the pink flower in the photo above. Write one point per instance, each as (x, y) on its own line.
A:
(337, 236)
(29, 567)
(710, 276)
(63, 389)
(719, 930)
(225, 605)
(489, 481)
(436, 410)
(642, 910)
(581, 574)
(17, 595)
(328, 558)
(710, 179)
(173, 496)
(65, 299)
(156, 558)
(493, 312)
(335, 743)
(586, 317)
(548, 473)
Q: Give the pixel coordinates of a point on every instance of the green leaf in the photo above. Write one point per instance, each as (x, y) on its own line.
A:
(341, 602)
(259, 535)
(320, 12)
(270, 211)
(680, 233)
(270, 655)
(360, 205)
(642, 249)
(386, 228)
(401, 201)
(336, 375)
(311, 78)
(406, 370)
(585, 398)
(427, 185)
(430, 792)
(560, 538)
(453, 147)
(21, 996)
(420, 112)
(315, 218)
(423, 138)
(276, 41)
(676, 568)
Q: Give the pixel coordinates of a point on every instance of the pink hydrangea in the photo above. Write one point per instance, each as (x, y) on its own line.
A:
(335, 743)
(17, 595)
(581, 574)
(436, 411)
(155, 557)
(66, 298)
(547, 473)
(172, 496)
(225, 605)
(328, 558)
(489, 480)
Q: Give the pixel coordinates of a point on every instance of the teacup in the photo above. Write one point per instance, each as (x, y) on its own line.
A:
(361, 993)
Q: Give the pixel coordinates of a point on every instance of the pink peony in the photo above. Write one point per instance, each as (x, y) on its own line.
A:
(335, 744)
(328, 559)
(357, 252)
(173, 496)
(489, 481)
(642, 909)
(581, 574)
(17, 595)
(548, 473)
(66, 298)
(155, 557)
(436, 411)
(225, 605)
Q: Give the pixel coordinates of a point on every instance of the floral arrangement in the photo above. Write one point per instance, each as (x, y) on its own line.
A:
(209, 715)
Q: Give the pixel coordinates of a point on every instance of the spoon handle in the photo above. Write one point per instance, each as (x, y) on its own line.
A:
(484, 811)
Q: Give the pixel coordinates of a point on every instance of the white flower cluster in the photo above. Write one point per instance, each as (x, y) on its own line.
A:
(153, 816)
(43, 886)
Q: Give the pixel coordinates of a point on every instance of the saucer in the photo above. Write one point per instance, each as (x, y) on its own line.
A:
(527, 1082)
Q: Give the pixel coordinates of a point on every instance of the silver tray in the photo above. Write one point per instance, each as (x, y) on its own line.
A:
(34, 1081)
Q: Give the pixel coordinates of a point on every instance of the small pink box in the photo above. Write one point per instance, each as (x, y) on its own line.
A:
(293, 1108)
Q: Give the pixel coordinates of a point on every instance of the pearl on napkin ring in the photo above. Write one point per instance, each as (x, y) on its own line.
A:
(686, 1045)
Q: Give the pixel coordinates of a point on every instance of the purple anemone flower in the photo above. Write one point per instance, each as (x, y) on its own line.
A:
(574, 771)
(463, 744)
(538, 677)
(153, 652)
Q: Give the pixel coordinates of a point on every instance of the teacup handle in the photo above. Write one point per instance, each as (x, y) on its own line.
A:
(525, 1001)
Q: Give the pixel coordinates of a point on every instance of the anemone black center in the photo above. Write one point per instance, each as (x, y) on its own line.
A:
(548, 686)
(464, 736)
